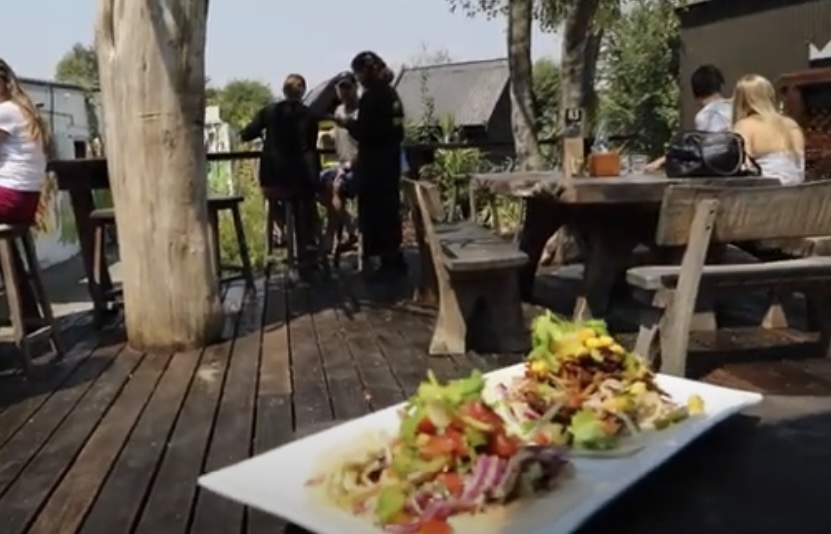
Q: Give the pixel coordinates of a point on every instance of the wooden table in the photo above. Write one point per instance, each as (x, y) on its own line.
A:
(762, 472)
(79, 177)
(611, 215)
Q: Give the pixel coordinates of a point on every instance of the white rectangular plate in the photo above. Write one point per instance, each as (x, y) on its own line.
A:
(275, 482)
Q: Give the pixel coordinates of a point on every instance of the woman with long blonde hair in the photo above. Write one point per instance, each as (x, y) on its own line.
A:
(774, 140)
(24, 143)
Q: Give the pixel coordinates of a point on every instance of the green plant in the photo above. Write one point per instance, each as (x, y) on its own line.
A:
(640, 75)
(253, 213)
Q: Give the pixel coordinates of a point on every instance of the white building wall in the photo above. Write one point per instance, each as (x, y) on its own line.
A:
(64, 110)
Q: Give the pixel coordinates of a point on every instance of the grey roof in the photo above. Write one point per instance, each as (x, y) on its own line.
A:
(468, 91)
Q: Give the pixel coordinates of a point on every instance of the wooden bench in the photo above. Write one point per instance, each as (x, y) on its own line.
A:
(698, 216)
(473, 276)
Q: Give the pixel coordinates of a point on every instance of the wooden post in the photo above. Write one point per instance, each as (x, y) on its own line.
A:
(151, 56)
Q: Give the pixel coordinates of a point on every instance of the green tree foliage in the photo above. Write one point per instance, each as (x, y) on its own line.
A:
(639, 72)
(546, 84)
(239, 100)
(79, 66)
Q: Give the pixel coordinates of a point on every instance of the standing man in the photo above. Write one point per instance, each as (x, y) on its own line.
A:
(290, 161)
(379, 131)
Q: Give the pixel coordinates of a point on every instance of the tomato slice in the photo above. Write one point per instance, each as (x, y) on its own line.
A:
(459, 442)
(477, 410)
(437, 446)
(503, 446)
(453, 482)
(426, 426)
(436, 527)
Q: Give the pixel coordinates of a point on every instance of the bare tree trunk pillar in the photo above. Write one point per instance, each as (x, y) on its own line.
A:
(520, 25)
(151, 57)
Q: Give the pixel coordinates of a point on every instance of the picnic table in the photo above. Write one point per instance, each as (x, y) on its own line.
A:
(611, 215)
(79, 178)
(760, 472)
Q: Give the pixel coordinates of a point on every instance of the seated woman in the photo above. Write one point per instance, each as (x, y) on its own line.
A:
(772, 139)
(24, 143)
(334, 197)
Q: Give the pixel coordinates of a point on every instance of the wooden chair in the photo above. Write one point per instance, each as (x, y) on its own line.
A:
(30, 310)
(698, 216)
(238, 272)
(472, 273)
(103, 221)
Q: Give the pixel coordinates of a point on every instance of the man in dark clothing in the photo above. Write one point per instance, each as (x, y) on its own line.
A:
(290, 162)
(379, 131)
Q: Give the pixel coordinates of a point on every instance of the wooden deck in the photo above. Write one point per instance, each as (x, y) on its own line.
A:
(112, 441)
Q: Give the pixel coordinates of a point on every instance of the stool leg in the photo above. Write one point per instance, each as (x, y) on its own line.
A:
(13, 296)
(245, 257)
(99, 257)
(36, 278)
(213, 229)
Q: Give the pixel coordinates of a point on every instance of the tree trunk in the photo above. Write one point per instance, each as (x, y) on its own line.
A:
(580, 51)
(151, 56)
(529, 156)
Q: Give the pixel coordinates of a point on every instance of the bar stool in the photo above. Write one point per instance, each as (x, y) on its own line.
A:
(240, 272)
(103, 222)
(30, 310)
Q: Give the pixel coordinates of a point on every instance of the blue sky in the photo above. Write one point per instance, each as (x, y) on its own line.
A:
(260, 39)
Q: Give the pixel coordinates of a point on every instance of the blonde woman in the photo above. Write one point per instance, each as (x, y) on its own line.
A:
(24, 143)
(772, 139)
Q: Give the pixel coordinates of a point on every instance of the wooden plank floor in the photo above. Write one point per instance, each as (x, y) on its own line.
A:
(112, 441)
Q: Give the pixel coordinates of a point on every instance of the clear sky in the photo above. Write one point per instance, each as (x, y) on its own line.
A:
(267, 39)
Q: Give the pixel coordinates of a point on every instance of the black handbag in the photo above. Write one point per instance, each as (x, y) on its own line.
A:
(707, 155)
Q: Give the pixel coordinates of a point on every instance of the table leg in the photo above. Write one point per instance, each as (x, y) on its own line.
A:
(606, 257)
(541, 221)
(82, 206)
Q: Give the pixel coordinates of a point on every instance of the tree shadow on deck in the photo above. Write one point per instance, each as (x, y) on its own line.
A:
(86, 351)
(763, 472)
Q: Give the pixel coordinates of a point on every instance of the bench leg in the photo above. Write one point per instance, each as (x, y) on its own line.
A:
(704, 314)
(646, 345)
(450, 333)
(775, 316)
(821, 314)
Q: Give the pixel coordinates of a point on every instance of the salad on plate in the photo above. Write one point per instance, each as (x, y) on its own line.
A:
(452, 455)
(583, 390)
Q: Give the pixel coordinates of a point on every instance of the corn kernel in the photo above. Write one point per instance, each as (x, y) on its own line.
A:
(638, 388)
(539, 367)
(617, 349)
(606, 341)
(592, 343)
(586, 333)
(695, 405)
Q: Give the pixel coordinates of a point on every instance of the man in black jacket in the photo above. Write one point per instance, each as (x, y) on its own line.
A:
(379, 131)
(290, 162)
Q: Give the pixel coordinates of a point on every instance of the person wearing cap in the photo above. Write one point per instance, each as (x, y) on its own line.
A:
(337, 181)
(290, 161)
(379, 131)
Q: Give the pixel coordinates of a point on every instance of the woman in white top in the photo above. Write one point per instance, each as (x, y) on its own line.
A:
(24, 142)
(773, 140)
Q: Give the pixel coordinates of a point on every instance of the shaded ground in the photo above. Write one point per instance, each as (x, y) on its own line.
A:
(112, 441)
